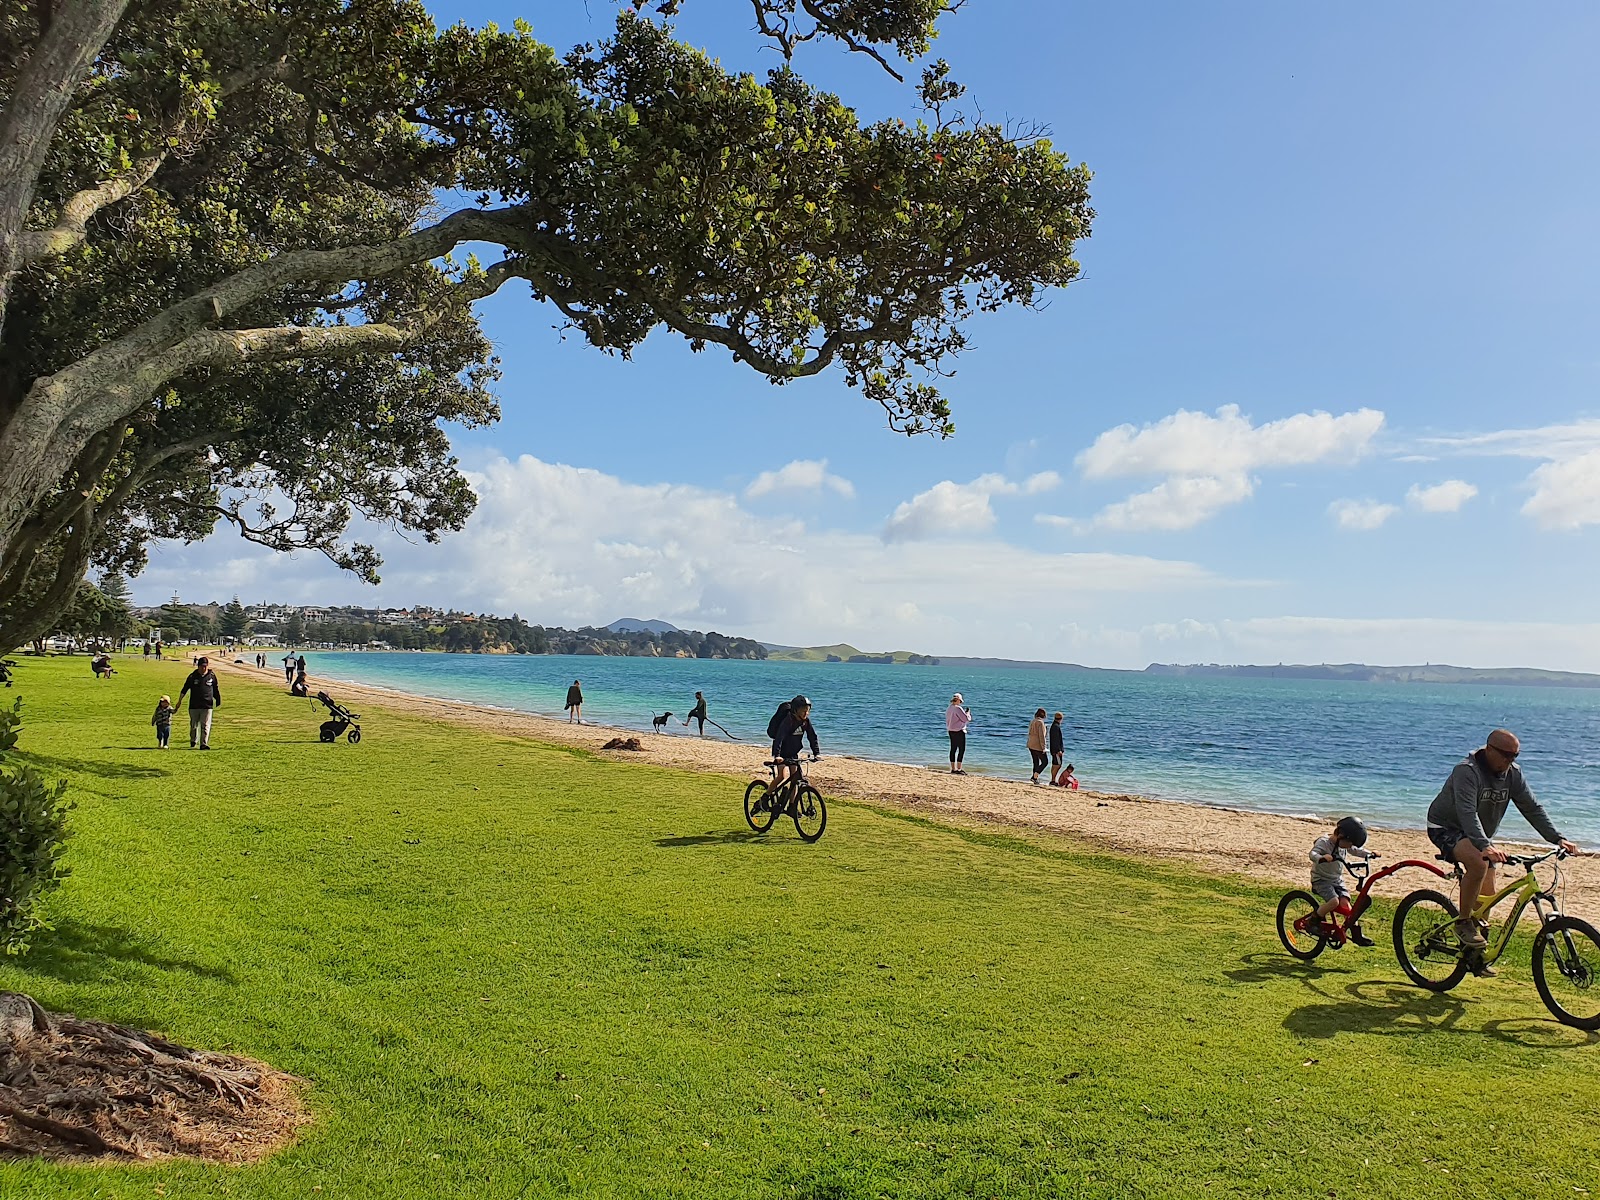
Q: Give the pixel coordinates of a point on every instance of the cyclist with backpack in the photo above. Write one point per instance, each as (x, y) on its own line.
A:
(789, 727)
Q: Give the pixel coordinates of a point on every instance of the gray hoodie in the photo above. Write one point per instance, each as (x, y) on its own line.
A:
(1474, 800)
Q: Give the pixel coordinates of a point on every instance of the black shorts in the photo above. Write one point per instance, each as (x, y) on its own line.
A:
(1446, 840)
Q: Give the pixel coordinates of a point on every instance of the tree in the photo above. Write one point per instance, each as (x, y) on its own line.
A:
(294, 630)
(117, 622)
(222, 283)
(234, 623)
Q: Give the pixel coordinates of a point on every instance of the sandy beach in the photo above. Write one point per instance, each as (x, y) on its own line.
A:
(1255, 845)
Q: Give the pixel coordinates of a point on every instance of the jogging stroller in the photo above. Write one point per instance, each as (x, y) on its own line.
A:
(340, 719)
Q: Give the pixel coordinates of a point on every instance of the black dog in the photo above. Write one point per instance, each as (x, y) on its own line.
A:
(660, 722)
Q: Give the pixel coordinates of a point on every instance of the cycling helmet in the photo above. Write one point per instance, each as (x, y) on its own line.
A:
(799, 702)
(1351, 830)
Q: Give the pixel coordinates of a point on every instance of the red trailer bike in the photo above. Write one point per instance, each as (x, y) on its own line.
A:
(1305, 936)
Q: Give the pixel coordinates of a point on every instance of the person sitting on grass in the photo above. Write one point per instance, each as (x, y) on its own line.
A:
(1466, 813)
(1328, 857)
(101, 666)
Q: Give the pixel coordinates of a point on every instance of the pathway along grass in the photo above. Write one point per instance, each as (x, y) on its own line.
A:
(509, 970)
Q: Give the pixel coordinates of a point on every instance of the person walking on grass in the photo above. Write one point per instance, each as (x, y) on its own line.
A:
(1036, 744)
(956, 719)
(162, 720)
(698, 712)
(574, 705)
(1058, 747)
(1466, 813)
(205, 694)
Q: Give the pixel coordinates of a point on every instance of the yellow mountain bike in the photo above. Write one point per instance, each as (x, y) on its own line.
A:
(1566, 950)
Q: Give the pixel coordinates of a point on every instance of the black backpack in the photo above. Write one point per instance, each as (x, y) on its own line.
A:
(777, 718)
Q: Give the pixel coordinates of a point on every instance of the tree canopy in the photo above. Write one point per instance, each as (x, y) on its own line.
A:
(228, 291)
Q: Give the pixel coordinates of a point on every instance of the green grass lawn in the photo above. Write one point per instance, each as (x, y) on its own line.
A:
(511, 970)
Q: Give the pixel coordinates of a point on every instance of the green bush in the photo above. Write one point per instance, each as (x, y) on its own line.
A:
(33, 837)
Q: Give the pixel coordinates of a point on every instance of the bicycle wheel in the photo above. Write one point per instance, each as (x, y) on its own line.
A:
(1566, 970)
(759, 818)
(1304, 944)
(810, 813)
(1425, 941)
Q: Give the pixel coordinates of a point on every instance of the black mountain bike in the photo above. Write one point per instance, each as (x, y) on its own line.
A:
(765, 802)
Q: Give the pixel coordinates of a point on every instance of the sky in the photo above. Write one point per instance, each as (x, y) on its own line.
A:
(1328, 389)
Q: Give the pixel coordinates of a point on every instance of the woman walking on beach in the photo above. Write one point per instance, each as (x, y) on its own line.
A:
(1036, 744)
(1058, 747)
(574, 703)
(956, 719)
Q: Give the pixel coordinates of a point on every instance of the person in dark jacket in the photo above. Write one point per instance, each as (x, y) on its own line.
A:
(205, 694)
(698, 712)
(574, 705)
(1058, 747)
(795, 728)
(1466, 813)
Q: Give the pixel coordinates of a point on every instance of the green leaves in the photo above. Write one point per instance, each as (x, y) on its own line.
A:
(33, 834)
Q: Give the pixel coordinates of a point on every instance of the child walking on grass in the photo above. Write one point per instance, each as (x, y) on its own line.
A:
(1328, 856)
(163, 721)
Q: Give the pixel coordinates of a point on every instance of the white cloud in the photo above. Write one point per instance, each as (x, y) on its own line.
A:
(802, 475)
(1566, 494)
(1556, 442)
(1446, 497)
(1208, 461)
(1199, 444)
(950, 509)
(572, 546)
(1361, 515)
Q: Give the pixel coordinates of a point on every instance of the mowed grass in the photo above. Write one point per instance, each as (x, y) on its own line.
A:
(511, 970)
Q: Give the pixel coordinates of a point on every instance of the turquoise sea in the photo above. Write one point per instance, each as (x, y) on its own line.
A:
(1380, 751)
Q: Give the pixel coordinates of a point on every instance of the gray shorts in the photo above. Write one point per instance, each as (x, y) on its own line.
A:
(1330, 889)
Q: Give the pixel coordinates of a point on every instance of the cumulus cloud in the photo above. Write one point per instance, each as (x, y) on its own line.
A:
(1446, 497)
(950, 509)
(573, 546)
(802, 475)
(1566, 494)
(1566, 488)
(1209, 460)
(1361, 515)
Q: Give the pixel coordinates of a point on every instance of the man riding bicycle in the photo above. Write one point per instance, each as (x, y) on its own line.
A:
(793, 727)
(1467, 812)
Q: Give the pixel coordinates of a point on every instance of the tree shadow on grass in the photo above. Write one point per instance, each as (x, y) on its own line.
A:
(726, 837)
(85, 766)
(1266, 966)
(80, 952)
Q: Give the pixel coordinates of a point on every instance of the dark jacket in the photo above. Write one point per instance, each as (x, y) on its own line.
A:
(699, 710)
(790, 734)
(202, 689)
(1058, 740)
(1474, 800)
(574, 696)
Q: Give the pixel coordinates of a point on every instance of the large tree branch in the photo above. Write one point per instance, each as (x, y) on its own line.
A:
(43, 92)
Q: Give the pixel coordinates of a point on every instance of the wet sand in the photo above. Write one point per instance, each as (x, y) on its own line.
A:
(1260, 846)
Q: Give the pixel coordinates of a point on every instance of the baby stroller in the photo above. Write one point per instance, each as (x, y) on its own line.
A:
(340, 719)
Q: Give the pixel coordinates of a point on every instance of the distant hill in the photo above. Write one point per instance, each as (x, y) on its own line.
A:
(1361, 673)
(634, 625)
(845, 652)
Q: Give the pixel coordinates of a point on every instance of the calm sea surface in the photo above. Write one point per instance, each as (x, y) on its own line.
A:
(1380, 751)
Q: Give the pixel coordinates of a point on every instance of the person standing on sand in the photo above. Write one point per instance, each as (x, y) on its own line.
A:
(205, 694)
(288, 667)
(574, 705)
(1036, 744)
(1058, 747)
(956, 719)
(698, 712)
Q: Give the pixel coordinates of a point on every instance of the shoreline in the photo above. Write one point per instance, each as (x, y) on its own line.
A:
(1256, 845)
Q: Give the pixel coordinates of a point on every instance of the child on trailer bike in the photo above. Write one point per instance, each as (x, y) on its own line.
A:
(1329, 858)
(789, 727)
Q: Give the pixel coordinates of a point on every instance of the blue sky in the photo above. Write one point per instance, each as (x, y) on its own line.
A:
(1327, 390)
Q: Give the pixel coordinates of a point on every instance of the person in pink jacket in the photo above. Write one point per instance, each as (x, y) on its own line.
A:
(956, 719)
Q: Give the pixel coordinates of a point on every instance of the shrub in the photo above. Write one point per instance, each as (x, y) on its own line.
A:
(33, 837)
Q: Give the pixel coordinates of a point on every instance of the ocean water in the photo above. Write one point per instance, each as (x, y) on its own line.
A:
(1380, 751)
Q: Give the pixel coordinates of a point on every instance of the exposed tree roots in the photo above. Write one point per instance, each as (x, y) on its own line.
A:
(90, 1090)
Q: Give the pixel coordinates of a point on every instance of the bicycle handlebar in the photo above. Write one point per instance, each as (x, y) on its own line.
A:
(1532, 860)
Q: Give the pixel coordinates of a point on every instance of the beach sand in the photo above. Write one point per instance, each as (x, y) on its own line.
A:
(1258, 846)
